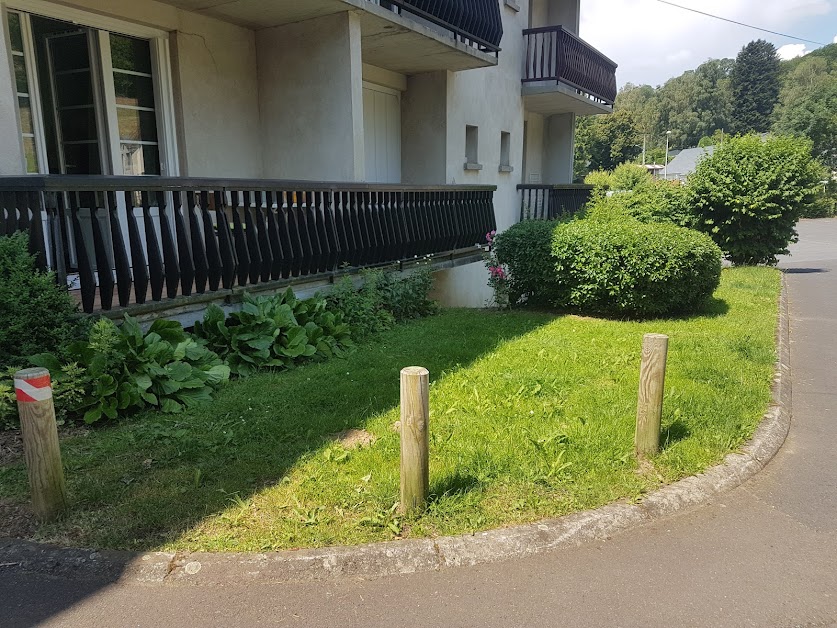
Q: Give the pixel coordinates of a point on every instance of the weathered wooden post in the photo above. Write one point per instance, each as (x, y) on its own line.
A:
(41, 451)
(652, 376)
(415, 415)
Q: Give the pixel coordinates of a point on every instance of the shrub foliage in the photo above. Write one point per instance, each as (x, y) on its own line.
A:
(524, 249)
(631, 268)
(37, 314)
(750, 193)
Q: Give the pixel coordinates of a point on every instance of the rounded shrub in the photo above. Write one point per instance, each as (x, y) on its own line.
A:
(633, 268)
(524, 249)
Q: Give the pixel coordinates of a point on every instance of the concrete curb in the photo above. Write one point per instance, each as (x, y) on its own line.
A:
(411, 556)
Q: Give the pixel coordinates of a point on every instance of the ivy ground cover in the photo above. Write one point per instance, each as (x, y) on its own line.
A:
(532, 416)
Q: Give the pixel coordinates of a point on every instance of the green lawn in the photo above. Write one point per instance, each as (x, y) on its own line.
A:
(532, 416)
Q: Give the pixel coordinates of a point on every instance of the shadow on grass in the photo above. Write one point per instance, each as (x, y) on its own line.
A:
(147, 481)
(456, 484)
(674, 433)
(713, 308)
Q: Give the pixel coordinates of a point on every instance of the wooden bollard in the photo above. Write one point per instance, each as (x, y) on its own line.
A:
(652, 376)
(415, 416)
(41, 451)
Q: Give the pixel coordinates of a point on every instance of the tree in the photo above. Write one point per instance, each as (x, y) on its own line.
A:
(604, 142)
(749, 194)
(808, 107)
(755, 86)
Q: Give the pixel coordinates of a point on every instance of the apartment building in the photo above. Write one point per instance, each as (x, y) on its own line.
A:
(196, 146)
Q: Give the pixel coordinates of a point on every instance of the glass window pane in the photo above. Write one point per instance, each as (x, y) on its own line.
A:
(82, 159)
(70, 52)
(31, 154)
(78, 124)
(128, 53)
(137, 125)
(140, 159)
(136, 91)
(25, 114)
(20, 75)
(74, 89)
(15, 32)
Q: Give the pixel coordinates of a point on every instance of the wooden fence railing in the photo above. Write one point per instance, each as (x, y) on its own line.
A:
(127, 239)
(555, 54)
(547, 202)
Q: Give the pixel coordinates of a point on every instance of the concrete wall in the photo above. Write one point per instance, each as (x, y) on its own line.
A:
(311, 99)
(534, 169)
(556, 12)
(559, 143)
(424, 124)
(216, 87)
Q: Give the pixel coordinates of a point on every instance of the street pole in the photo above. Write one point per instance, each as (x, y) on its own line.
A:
(665, 170)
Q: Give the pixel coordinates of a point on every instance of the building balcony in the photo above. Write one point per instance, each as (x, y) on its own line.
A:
(134, 243)
(548, 202)
(564, 74)
(405, 36)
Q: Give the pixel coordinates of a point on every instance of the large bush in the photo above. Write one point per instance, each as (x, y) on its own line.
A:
(630, 191)
(631, 268)
(36, 313)
(750, 193)
(524, 250)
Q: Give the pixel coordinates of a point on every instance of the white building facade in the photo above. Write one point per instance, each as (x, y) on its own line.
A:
(399, 93)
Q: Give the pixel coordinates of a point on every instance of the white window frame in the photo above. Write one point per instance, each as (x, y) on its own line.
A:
(162, 77)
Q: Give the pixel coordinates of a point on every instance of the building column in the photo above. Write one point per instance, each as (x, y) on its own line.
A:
(559, 148)
(311, 99)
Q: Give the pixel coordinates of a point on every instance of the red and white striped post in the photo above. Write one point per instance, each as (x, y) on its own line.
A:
(40, 443)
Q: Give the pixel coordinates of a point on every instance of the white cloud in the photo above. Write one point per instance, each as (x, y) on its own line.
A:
(653, 42)
(792, 51)
(835, 39)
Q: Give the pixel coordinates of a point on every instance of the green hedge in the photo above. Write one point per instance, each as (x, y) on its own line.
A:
(524, 249)
(631, 268)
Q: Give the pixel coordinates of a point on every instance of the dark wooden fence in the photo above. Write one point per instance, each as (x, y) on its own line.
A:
(131, 238)
(477, 23)
(547, 202)
(555, 54)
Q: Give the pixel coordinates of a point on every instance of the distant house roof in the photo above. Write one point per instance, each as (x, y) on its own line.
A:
(686, 161)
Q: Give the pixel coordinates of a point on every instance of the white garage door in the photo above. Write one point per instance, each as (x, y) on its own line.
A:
(382, 133)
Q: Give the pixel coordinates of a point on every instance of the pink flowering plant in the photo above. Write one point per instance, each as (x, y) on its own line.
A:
(498, 275)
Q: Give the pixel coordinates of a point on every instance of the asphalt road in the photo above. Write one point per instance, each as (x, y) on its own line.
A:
(764, 554)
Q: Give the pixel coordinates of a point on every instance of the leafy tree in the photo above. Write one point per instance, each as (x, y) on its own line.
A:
(808, 107)
(604, 142)
(749, 194)
(755, 87)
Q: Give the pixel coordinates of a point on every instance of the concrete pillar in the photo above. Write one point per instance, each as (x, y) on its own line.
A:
(311, 99)
(11, 157)
(424, 119)
(559, 148)
(565, 13)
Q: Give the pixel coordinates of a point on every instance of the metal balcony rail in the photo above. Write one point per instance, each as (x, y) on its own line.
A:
(555, 54)
(477, 23)
(548, 202)
(121, 237)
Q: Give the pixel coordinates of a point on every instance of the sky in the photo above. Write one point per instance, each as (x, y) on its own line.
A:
(653, 42)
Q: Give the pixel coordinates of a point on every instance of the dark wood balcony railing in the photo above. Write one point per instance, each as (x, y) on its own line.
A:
(555, 54)
(547, 202)
(477, 23)
(126, 236)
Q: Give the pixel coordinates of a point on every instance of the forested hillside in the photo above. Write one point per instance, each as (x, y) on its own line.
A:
(756, 92)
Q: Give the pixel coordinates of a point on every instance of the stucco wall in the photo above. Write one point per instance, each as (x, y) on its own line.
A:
(424, 109)
(559, 141)
(311, 99)
(216, 83)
